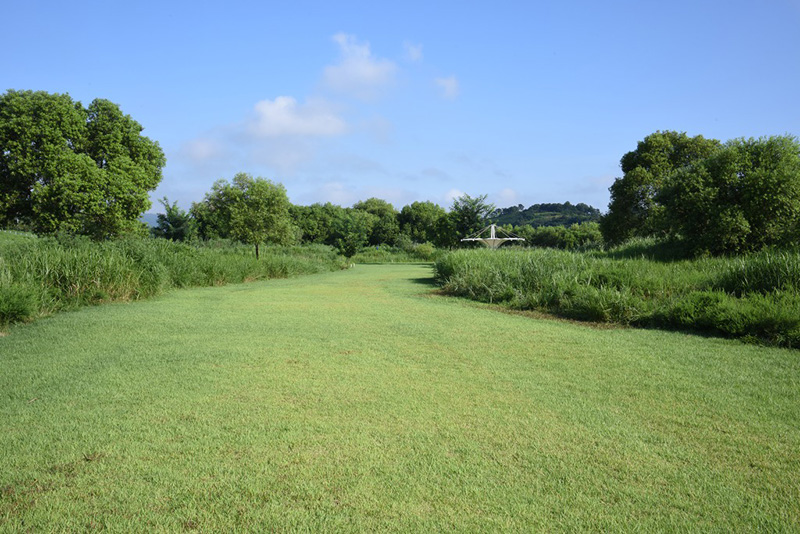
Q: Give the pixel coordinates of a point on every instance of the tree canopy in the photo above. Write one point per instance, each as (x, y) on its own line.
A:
(467, 215)
(386, 228)
(64, 167)
(745, 196)
(250, 210)
(420, 221)
(634, 210)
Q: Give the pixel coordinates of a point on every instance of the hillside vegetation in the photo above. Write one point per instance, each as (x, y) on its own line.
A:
(547, 214)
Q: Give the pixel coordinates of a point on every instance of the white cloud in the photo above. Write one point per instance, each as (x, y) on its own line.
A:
(506, 197)
(449, 87)
(451, 195)
(358, 73)
(413, 52)
(283, 117)
(201, 150)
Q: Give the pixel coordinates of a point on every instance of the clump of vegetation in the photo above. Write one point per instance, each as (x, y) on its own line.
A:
(39, 276)
(753, 297)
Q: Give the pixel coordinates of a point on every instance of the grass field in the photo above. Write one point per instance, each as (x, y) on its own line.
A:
(362, 401)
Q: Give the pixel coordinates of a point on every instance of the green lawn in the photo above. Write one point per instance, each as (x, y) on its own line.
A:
(361, 401)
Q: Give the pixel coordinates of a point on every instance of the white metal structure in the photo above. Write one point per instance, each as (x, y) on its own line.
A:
(493, 241)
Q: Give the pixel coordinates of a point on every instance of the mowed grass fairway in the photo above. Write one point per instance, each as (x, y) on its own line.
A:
(362, 401)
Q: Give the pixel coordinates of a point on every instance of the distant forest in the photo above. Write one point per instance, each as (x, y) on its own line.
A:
(553, 214)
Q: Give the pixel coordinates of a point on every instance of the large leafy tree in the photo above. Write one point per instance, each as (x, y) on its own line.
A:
(64, 167)
(743, 197)
(420, 221)
(386, 228)
(634, 210)
(213, 213)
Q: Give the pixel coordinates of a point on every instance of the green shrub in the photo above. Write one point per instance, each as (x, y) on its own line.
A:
(17, 303)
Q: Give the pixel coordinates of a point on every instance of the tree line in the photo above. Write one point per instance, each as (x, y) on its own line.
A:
(89, 170)
(258, 210)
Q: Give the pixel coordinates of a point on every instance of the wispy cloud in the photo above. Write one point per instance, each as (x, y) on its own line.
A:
(506, 197)
(449, 87)
(451, 195)
(413, 52)
(202, 150)
(358, 73)
(284, 117)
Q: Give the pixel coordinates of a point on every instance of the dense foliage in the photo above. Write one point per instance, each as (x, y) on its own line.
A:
(39, 276)
(754, 297)
(579, 236)
(744, 197)
(67, 168)
(714, 198)
(634, 209)
(174, 224)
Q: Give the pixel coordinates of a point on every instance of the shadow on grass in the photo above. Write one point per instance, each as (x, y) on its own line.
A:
(429, 281)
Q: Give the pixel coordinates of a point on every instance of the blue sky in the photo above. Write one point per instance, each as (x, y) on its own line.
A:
(526, 102)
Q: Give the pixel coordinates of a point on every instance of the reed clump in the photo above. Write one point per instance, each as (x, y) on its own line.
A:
(41, 276)
(754, 297)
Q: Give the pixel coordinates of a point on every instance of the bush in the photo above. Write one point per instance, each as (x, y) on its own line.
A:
(17, 303)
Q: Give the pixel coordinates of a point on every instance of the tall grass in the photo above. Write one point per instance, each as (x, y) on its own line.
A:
(40, 276)
(754, 297)
(412, 253)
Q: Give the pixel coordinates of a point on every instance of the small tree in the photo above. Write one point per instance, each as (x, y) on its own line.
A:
(259, 212)
(467, 215)
(352, 230)
(174, 224)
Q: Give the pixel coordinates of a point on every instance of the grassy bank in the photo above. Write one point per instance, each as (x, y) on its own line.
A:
(755, 297)
(359, 402)
(40, 276)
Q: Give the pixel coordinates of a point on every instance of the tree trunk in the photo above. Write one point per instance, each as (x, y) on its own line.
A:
(256, 250)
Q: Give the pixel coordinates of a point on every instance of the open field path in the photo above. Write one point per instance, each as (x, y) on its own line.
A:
(362, 401)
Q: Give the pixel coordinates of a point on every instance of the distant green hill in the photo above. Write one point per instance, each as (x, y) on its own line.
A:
(150, 219)
(553, 214)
